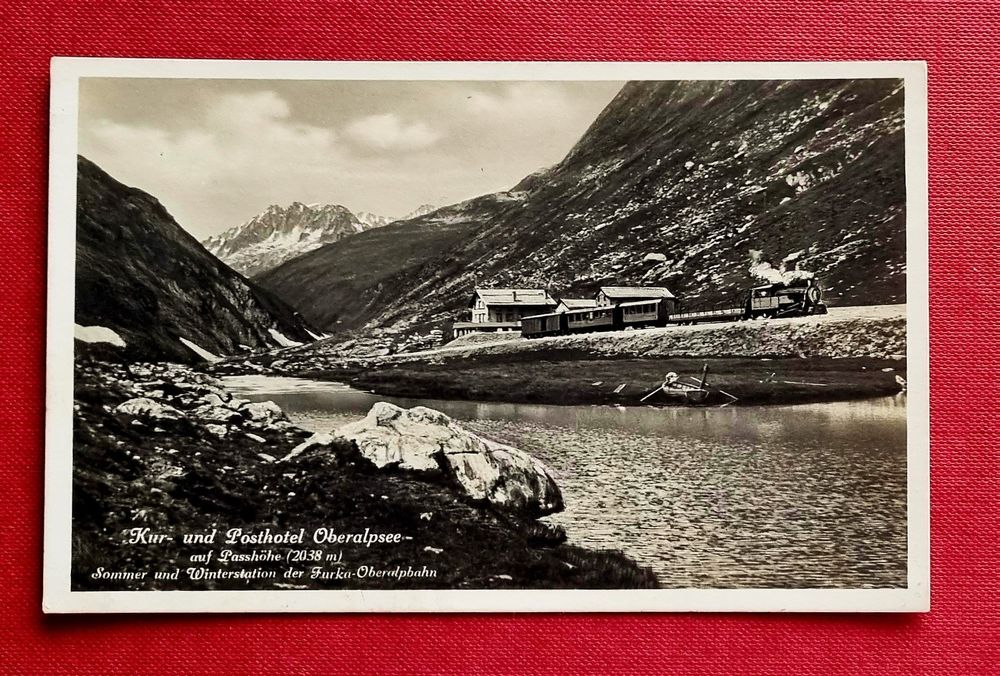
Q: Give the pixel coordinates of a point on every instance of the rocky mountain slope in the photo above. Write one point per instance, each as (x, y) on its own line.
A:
(148, 288)
(282, 233)
(674, 184)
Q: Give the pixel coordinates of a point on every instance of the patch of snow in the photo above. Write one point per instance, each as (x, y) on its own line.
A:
(200, 351)
(97, 334)
(281, 339)
(314, 336)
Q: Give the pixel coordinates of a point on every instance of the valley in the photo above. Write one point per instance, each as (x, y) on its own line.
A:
(692, 191)
(674, 184)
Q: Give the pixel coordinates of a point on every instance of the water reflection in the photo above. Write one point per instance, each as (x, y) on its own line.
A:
(785, 496)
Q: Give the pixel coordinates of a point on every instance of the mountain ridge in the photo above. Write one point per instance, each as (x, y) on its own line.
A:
(280, 233)
(698, 173)
(147, 285)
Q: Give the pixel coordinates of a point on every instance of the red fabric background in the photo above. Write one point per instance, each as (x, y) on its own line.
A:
(960, 42)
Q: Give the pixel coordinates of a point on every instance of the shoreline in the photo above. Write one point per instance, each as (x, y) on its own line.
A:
(852, 353)
(624, 382)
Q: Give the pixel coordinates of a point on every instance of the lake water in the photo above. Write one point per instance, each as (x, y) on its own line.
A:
(782, 496)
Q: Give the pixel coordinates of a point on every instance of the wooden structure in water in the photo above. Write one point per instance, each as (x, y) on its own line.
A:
(695, 392)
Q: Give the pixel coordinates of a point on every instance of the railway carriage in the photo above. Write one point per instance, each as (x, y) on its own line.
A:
(796, 298)
(641, 313)
(538, 326)
(607, 318)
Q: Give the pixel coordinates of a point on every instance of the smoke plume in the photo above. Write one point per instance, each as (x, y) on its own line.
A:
(760, 268)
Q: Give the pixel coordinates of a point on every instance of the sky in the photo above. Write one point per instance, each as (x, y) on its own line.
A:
(218, 152)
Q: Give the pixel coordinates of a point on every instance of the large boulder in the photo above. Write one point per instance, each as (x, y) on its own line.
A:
(422, 439)
(144, 408)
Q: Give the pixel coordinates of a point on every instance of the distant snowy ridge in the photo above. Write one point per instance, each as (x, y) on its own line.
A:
(377, 221)
(282, 233)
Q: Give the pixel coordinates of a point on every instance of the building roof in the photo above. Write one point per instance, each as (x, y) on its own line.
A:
(515, 296)
(577, 303)
(544, 314)
(645, 301)
(485, 325)
(632, 292)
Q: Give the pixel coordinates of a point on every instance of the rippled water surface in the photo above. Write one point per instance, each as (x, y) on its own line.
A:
(786, 496)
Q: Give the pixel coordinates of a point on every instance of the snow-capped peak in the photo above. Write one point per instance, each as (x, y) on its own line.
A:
(281, 233)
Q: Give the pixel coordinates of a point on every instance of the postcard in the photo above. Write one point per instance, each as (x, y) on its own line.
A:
(456, 337)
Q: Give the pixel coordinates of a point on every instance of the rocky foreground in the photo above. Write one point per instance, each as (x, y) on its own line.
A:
(165, 448)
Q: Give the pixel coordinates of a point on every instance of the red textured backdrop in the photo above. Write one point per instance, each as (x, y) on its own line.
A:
(960, 42)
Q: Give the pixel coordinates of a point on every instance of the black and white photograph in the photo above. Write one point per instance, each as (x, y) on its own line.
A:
(481, 337)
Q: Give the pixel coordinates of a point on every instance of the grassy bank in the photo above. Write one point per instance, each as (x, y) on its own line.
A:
(177, 475)
(563, 379)
(852, 353)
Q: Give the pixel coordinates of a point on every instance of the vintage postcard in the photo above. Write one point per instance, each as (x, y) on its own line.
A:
(342, 337)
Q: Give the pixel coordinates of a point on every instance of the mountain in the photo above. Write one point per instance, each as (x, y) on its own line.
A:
(422, 210)
(143, 280)
(342, 285)
(371, 220)
(281, 233)
(698, 174)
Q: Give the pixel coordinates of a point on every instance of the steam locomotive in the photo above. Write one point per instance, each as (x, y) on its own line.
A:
(795, 298)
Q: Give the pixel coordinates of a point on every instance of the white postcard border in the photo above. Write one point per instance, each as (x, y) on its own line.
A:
(57, 596)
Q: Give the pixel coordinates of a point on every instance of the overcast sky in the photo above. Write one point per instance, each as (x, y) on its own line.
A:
(218, 152)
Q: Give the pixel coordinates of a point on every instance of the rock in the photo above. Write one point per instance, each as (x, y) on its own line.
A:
(217, 430)
(264, 412)
(422, 439)
(213, 399)
(654, 258)
(318, 439)
(216, 414)
(144, 408)
(236, 403)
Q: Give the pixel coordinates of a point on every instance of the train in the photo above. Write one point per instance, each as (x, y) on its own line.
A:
(796, 298)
